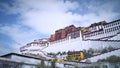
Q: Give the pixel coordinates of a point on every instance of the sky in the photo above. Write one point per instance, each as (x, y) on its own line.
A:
(22, 21)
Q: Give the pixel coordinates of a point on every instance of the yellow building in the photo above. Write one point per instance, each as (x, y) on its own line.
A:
(84, 29)
(75, 56)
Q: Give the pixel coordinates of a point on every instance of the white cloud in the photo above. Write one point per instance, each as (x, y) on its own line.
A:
(19, 35)
(42, 15)
(47, 16)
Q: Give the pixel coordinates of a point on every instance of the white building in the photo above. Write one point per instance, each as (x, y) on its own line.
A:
(26, 61)
(35, 47)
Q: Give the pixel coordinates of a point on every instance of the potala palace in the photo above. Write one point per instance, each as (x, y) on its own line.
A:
(97, 36)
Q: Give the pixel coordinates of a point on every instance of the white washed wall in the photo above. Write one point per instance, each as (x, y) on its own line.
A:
(25, 59)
